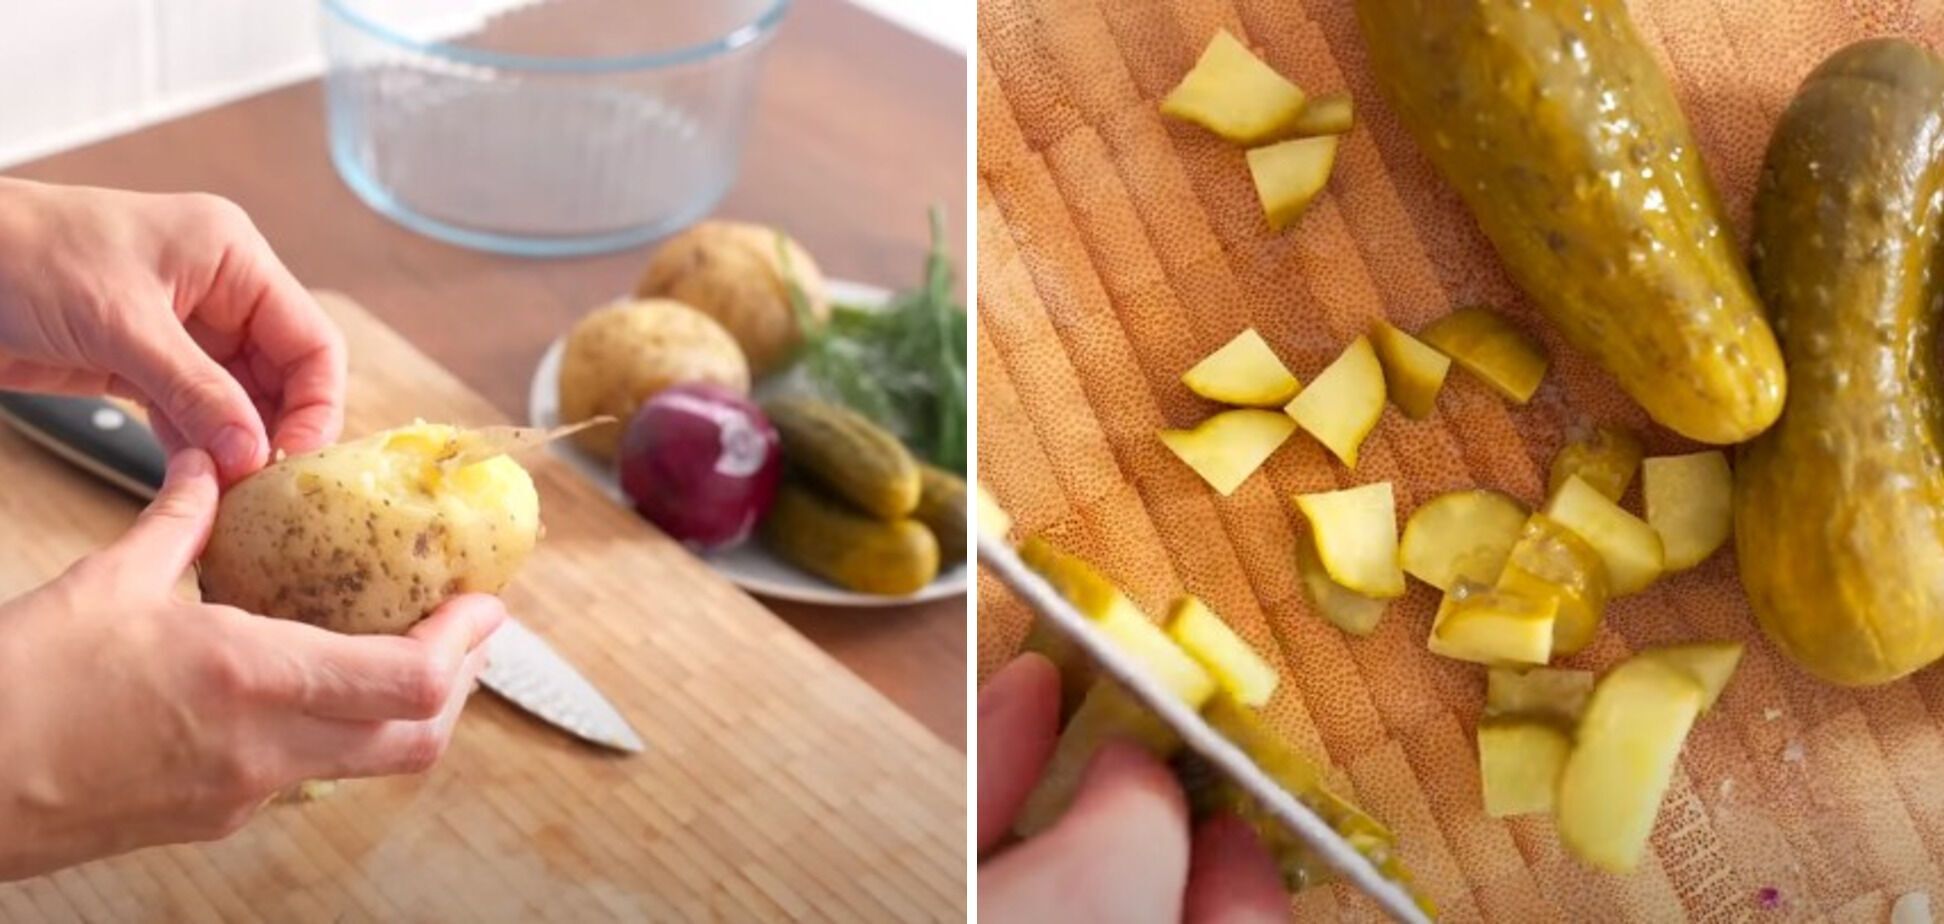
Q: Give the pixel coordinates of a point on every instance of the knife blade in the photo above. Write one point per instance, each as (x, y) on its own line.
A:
(102, 439)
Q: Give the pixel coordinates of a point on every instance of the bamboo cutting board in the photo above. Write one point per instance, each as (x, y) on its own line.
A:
(1116, 249)
(776, 785)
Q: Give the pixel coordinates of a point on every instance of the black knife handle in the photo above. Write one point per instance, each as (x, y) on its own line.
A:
(91, 433)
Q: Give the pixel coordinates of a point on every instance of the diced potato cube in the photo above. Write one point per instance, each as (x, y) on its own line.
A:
(1710, 664)
(1243, 372)
(1232, 93)
(1482, 625)
(1237, 669)
(1486, 346)
(1344, 608)
(1356, 537)
(1519, 765)
(1120, 620)
(1413, 371)
(1550, 560)
(1227, 448)
(1688, 504)
(1107, 713)
(1623, 757)
(1342, 405)
(1289, 174)
(1329, 114)
(1604, 457)
(1629, 547)
(1553, 694)
(1460, 535)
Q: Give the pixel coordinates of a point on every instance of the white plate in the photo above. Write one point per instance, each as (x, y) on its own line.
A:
(749, 566)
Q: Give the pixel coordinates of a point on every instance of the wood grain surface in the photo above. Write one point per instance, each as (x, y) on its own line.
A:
(859, 127)
(776, 785)
(1117, 248)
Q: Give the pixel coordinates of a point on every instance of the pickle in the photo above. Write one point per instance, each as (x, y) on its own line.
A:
(1837, 527)
(1554, 124)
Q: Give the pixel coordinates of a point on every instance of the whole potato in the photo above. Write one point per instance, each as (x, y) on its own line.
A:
(623, 354)
(731, 272)
(369, 536)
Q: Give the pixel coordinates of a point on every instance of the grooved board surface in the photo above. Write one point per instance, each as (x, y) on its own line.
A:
(1117, 248)
(776, 786)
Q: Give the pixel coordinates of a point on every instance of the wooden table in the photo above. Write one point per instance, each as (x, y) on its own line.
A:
(860, 126)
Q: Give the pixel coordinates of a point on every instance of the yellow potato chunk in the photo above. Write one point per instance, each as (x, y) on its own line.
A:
(1688, 504)
(1344, 608)
(1107, 713)
(1120, 619)
(1479, 624)
(1484, 345)
(1237, 669)
(1289, 174)
(1623, 757)
(1550, 560)
(1709, 664)
(1329, 114)
(1460, 535)
(1413, 371)
(1629, 547)
(1355, 531)
(1243, 372)
(1227, 448)
(1553, 694)
(1519, 765)
(1232, 93)
(1342, 406)
(1604, 457)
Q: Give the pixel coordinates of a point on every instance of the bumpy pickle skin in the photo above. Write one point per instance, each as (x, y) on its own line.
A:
(1839, 509)
(1553, 123)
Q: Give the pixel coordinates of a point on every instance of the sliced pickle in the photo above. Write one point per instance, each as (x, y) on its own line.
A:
(1344, 402)
(1355, 531)
(1107, 713)
(1238, 670)
(1519, 764)
(1553, 694)
(1687, 499)
(1227, 448)
(1483, 344)
(1244, 372)
(1461, 535)
(1550, 560)
(1486, 626)
(1630, 548)
(1413, 371)
(1344, 608)
(1605, 457)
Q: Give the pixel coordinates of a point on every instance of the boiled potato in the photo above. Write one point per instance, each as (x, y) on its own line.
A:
(370, 535)
(1553, 694)
(1477, 623)
(1519, 764)
(1108, 713)
(620, 356)
(1413, 371)
(1237, 669)
(1120, 620)
(1227, 448)
(1460, 535)
(1485, 346)
(1342, 405)
(1244, 372)
(1708, 664)
(1688, 504)
(1551, 561)
(1232, 93)
(734, 272)
(1623, 757)
(1356, 537)
(1329, 114)
(1604, 457)
(1629, 547)
(1289, 174)
(1344, 608)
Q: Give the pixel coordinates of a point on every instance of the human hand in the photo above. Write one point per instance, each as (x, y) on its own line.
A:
(1122, 852)
(174, 301)
(129, 717)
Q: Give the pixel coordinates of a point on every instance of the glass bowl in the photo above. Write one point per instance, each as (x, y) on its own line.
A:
(542, 127)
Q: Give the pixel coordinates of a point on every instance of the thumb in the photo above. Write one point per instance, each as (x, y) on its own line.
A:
(171, 532)
(200, 400)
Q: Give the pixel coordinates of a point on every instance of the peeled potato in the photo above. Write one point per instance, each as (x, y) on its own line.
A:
(1630, 548)
(1108, 713)
(1461, 535)
(1413, 371)
(1341, 406)
(1232, 93)
(1552, 694)
(1244, 372)
(620, 356)
(1289, 174)
(1120, 620)
(1237, 669)
(1708, 664)
(1227, 448)
(1485, 346)
(1344, 608)
(1519, 765)
(1623, 757)
(1476, 623)
(1329, 114)
(734, 272)
(1688, 504)
(1604, 457)
(1551, 561)
(1356, 537)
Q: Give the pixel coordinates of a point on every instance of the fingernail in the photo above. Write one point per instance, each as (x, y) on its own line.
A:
(189, 463)
(234, 448)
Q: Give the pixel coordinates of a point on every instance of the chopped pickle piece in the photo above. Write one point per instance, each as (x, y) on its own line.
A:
(1329, 114)
(1604, 457)
(1709, 664)
(1519, 764)
(1237, 669)
(1553, 694)
(1486, 346)
(1460, 535)
(1629, 547)
(1120, 620)
(1289, 174)
(1413, 371)
(1232, 93)
(1342, 405)
(1623, 756)
(1688, 504)
(1344, 608)
(1477, 623)
(1075, 668)
(1356, 537)
(1227, 448)
(993, 520)
(1243, 372)
(1107, 713)
(1550, 560)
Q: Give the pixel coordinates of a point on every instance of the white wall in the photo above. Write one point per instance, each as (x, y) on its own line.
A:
(76, 71)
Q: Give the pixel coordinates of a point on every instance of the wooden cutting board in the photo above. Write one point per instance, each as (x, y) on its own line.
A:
(776, 784)
(1117, 248)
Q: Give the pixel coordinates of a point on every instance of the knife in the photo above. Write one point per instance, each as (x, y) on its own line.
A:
(106, 441)
(1316, 834)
